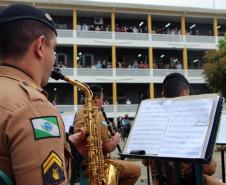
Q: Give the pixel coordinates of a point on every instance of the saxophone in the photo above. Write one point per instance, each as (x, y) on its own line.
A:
(101, 171)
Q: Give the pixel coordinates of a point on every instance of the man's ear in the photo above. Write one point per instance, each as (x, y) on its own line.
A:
(39, 46)
(185, 92)
(95, 98)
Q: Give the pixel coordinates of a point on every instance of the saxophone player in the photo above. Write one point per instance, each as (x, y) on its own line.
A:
(128, 172)
(33, 145)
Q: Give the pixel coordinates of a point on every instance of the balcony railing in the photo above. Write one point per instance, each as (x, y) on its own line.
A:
(65, 33)
(200, 39)
(111, 110)
(94, 34)
(94, 72)
(136, 39)
(164, 72)
(131, 36)
(167, 38)
(128, 75)
(132, 72)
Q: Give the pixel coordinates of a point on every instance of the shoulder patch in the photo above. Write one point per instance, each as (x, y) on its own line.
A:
(104, 123)
(52, 170)
(45, 127)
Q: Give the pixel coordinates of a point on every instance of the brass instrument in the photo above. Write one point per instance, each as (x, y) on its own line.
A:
(101, 172)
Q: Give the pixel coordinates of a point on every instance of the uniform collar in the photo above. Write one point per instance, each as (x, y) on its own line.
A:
(17, 74)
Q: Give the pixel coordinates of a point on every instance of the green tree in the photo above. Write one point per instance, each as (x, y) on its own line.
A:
(215, 68)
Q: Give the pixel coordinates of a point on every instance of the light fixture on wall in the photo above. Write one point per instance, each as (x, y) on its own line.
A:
(162, 56)
(192, 26)
(167, 25)
(141, 23)
(218, 27)
(196, 60)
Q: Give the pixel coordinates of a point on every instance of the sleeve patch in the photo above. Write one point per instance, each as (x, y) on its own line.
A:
(45, 127)
(52, 170)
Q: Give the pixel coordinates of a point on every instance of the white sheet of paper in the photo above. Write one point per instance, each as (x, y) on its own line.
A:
(171, 129)
(150, 126)
(187, 129)
(221, 137)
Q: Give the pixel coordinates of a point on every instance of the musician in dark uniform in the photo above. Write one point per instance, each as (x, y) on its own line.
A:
(175, 85)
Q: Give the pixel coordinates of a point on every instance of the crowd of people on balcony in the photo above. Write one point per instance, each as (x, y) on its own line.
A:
(142, 29)
(163, 65)
(176, 31)
(102, 64)
(93, 27)
(131, 29)
(164, 30)
(99, 64)
(135, 65)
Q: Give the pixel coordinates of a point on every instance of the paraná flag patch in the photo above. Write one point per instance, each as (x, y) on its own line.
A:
(45, 127)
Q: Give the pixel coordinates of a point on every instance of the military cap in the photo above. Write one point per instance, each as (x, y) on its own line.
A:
(17, 12)
(175, 76)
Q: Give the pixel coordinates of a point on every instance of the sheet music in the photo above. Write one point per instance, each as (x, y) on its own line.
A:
(172, 128)
(187, 129)
(151, 123)
(221, 138)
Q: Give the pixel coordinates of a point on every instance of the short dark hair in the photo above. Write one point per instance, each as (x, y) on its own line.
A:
(174, 84)
(97, 90)
(16, 37)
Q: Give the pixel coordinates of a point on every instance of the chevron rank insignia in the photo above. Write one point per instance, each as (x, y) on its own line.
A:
(45, 127)
(52, 170)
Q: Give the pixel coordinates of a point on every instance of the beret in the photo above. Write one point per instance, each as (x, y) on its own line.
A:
(17, 12)
(175, 76)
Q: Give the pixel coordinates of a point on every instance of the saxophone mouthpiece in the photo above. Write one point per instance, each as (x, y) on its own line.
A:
(56, 74)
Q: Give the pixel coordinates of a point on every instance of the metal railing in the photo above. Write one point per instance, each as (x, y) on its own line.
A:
(200, 39)
(94, 72)
(131, 36)
(167, 38)
(134, 37)
(164, 72)
(110, 109)
(143, 75)
(94, 34)
(132, 72)
(65, 33)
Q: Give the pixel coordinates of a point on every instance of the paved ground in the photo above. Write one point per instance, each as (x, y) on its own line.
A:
(143, 177)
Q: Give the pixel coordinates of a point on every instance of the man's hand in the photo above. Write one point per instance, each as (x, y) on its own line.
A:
(116, 138)
(80, 142)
